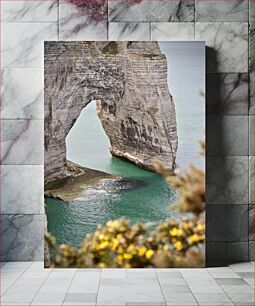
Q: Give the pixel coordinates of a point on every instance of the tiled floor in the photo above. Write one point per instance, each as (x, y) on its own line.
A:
(27, 283)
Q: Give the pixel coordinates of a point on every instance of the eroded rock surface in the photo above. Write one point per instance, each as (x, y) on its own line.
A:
(129, 82)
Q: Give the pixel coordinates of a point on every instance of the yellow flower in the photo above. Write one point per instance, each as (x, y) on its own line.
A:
(180, 232)
(188, 225)
(115, 243)
(103, 245)
(173, 231)
(107, 237)
(130, 247)
(165, 247)
(127, 256)
(127, 266)
(101, 265)
(119, 236)
(120, 249)
(149, 254)
(120, 259)
(142, 251)
(200, 227)
(178, 245)
(194, 238)
(109, 223)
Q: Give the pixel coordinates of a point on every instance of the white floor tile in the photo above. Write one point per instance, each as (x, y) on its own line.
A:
(213, 299)
(243, 267)
(114, 273)
(198, 273)
(43, 298)
(180, 299)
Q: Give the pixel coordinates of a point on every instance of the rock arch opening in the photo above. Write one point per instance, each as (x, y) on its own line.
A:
(87, 143)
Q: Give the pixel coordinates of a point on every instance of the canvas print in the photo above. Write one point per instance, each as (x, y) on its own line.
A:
(124, 154)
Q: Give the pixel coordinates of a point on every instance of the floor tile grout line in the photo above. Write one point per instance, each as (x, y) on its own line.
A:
(15, 280)
(40, 287)
(160, 286)
(189, 287)
(69, 286)
(98, 286)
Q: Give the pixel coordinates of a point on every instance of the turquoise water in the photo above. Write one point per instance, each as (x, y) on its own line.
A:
(70, 221)
(88, 146)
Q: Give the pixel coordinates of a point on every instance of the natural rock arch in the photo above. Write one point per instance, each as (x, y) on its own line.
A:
(129, 82)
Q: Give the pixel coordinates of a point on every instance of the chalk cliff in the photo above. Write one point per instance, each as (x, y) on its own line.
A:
(129, 82)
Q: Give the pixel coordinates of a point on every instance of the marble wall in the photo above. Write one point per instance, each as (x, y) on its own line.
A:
(228, 29)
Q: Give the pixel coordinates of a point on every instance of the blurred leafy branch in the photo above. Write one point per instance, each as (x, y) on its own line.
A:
(174, 243)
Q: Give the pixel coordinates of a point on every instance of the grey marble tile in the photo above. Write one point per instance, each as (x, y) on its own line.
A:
(251, 69)
(226, 43)
(144, 294)
(129, 31)
(251, 180)
(246, 275)
(46, 298)
(251, 10)
(251, 135)
(227, 180)
(180, 299)
(113, 273)
(181, 31)
(151, 10)
(251, 222)
(222, 272)
(145, 303)
(251, 250)
(250, 281)
(76, 23)
(227, 135)
(23, 10)
(23, 43)
(22, 237)
(215, 252)
(234, 10)
(22, 142)
(242, 267)
(241, 299)
(227, 223)
(22, 189)
(22, 93)
(81, 297)
(166, 289)
(126, 292)
(251, 46)
(213, 299)
(238, 251)
(227, 94)
(251, 93)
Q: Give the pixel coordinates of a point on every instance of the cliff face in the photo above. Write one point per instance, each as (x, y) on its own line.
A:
(129, 82)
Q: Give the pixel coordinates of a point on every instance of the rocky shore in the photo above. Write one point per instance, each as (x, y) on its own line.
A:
(80, 180)
(76, 181)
